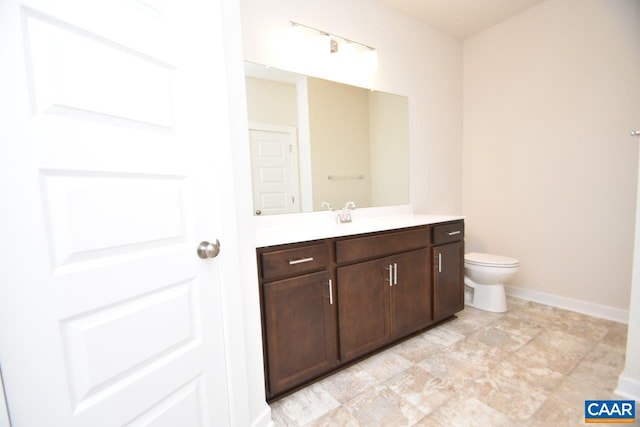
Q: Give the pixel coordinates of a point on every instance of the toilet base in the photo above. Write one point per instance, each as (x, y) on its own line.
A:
(485, 297)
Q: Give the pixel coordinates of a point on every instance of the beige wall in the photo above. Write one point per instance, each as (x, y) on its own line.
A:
(414, 60)
(549, 169)
(339, 128)
(271, 102)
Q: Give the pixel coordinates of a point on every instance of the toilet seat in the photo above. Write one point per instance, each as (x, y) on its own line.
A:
(490, 260)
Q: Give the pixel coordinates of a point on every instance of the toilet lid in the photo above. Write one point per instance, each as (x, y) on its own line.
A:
(477, 258)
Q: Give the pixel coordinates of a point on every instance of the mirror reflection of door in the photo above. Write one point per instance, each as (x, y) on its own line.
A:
(341, 130)
(274, 169)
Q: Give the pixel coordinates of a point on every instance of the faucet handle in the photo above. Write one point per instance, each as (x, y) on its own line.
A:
(345, 213)
(326, 205)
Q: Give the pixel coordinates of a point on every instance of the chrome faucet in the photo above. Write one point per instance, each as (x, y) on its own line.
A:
(326, 205)
(345, 213)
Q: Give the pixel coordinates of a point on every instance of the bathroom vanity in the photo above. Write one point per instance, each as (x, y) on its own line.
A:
(327, 302)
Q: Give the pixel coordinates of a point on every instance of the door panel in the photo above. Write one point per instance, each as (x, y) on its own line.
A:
(363, 306)
(160, 323)
(181, 408)
(71, 74)
(111, 116)
(137, 212)
(411, 295)
(300, 330)
(448, 280)
(274, 169)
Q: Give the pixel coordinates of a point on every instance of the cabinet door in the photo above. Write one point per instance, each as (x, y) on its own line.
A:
(411, 293)
(363, 295)
(448, 279)
(300, 330)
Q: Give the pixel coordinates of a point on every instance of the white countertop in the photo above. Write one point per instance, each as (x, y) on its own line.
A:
(292, 228)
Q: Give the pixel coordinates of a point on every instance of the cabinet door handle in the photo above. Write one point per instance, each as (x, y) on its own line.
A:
(453, 233)
(330, 292)
(300, 261)
(390, 279)
(395, 273)
(439, 262)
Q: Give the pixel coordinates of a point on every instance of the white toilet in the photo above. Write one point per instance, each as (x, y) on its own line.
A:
(484, 277)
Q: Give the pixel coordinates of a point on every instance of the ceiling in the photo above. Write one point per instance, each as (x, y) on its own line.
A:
(461, 18)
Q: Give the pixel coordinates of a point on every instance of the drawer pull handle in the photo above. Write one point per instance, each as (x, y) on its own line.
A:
(395, 273)
(390, 279)
(453, 233)
(330, 292)
(300, 261)
(440, 262)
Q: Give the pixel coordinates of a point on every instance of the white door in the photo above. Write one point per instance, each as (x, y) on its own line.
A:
(274, 169)
(109, 116)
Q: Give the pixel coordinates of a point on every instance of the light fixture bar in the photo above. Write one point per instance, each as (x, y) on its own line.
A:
(330, 35)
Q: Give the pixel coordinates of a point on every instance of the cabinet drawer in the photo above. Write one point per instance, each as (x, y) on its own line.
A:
(293, 261)
(447, 233)
(381, 244)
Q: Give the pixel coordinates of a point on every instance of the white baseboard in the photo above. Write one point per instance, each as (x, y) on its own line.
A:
(628, 388)
(264, 419)
(596, 310)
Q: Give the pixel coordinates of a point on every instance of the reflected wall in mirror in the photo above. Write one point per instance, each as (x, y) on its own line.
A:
(315, 141)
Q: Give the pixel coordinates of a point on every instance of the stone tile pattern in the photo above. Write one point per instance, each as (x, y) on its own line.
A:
(531, 366)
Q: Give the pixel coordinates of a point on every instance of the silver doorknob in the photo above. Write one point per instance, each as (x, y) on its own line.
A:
(209, 250)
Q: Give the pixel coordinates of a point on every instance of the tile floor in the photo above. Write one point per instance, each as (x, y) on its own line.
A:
(532, 366)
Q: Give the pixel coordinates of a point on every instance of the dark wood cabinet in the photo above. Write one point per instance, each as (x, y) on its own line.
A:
(330, 302)
(300, 330)
(410, 300)
(364, 308)
(448, 270)
(298, 315)
(383, 299)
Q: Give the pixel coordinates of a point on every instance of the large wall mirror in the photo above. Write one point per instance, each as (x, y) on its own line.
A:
(316, 142)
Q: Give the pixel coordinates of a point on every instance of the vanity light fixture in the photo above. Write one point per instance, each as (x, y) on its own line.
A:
(335, 41)
(333, 45)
